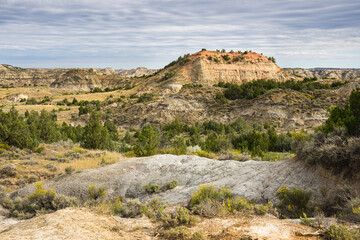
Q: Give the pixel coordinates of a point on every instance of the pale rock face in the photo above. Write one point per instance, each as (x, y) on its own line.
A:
(206, 72)
(255, 180)
(346, 74)
(19, 97)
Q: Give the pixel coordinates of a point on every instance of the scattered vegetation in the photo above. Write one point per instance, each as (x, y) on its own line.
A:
(336, 145)
(341, 233)
(40, 202)
(293, 202)
(97, 192)
(256, 88)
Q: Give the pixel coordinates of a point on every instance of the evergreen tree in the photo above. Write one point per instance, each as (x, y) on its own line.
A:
(96, 136)
(110, 125)
(14, 131)
(148, 140)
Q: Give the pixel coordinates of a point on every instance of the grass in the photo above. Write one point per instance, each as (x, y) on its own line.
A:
(89, 160)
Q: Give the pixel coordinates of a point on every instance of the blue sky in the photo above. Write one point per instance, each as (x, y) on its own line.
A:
(130, 34)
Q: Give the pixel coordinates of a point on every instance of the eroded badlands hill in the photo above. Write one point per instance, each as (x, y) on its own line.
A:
(346, 74)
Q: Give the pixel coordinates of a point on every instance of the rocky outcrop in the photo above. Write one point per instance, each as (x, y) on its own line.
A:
(70, 79)
(14, 76)
(255, 180)
(138, 72)
(85, 80)
(208, 68)
(346, 74)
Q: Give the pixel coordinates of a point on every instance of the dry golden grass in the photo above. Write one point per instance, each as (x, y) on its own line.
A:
(89, 159)
(91, 162)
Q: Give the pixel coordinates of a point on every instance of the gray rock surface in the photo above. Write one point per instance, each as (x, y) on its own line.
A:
(256, 180)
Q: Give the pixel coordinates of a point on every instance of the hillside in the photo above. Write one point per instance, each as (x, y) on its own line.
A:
(345, 74)
(80, 79)
(211, 67)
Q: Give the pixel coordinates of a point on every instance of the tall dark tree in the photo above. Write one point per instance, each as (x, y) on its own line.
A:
(96, 136)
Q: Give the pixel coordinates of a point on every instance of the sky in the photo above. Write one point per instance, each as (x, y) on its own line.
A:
(143, 33)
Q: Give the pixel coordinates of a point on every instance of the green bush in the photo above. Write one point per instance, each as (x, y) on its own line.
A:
(146, 97)
(173, 184)
(238, 204)
(177, 233)
(154, 208)
(293, 202)
(40, 202)
(181, 217)
(131, 208)
(97, 192)
(340, 233)
(117, 206)
(199, 235)
(262, 209)
(2, 194)
(151, 189)
(209, 201)
(69, 170)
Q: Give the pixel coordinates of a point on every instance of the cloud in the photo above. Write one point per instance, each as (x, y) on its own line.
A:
(150, 33)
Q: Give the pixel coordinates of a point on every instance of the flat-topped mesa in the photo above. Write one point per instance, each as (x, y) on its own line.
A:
(211, 67)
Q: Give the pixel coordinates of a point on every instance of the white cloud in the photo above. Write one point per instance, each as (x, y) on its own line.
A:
(51, 33)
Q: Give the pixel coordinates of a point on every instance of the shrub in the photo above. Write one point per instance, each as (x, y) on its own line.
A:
(338, 233)
(199, 235)
(2, 194)
(131, 208)
(168, 75)
(210, 208)
(238, 204)
(41, 201)
(173, 184)
(9, 170)
(146, 97)
(97, 192)
(69, 170)
(152, 188)
(181, 217)
(209, 201)
(226, 57)
(51, 167)
(305, 220)
(205, 191)
(154, 208)
(293, 202)
(177, 233)
(116, 205)
(262, 209)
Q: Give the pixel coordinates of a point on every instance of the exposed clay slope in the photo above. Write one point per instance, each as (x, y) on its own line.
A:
(346, 74)
(14, 76)
(285, 108)
(85, 80)
(78, 79)
(255, 180)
